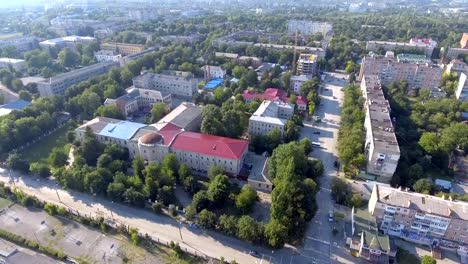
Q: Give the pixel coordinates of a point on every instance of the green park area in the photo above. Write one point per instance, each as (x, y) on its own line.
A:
(40, 150)
(4, 203)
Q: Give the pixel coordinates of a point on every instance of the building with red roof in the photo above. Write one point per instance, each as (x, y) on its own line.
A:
(274, 94)
(176, 134)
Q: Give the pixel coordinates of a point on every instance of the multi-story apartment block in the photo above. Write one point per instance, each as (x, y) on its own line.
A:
(21, 43)
(178, 84)
(66, 42)
(319, 52)
(307, 64)
(137, 100)
(153, 142)
(464, 41)
(297, 81)
(18, 65)
(457, 66)
(425, 45)
(270, 115)
(418, 76)
(123, 48)
(462, 89)
(213, 72)
(381, 146)
(107, 55)
(421, 218)
(58, 84)
(454, 53)
(309, 27)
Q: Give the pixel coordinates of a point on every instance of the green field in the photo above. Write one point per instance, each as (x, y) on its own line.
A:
(39, 151)
(4, 36)
(4, 203)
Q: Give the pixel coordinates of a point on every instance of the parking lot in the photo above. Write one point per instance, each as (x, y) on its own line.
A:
(72, 238)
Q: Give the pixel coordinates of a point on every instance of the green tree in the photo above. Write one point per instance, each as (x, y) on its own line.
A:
(249, 229)
(58, 157)
(25, 95)
(110, 111)
(41, 169)
(218, 189)
(67, 58)
(207, 219)
(138, 166)
(423, 186)
(275, 234)
(228, 224)
(158, 111)
(428, 260)
(246, 199)
(215, 170)
(429, 141)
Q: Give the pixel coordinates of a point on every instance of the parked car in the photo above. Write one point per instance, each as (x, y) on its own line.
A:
(330, 216)
(193, 225)
(335, 164)
(254, 254)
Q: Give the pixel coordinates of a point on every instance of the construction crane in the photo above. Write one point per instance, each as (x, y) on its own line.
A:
(294, 54)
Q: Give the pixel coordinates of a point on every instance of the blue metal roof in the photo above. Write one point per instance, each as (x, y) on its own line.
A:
(213, 84)
(17, 105)
(122, 130)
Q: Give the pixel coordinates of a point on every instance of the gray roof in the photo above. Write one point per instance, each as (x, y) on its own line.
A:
(422, 202)
(377, 242)
(182, 116)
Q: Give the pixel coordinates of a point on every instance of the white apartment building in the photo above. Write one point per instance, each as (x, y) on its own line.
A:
(138, 99)
(21, 43)
(58, 84)
(309, 27)
(213, 72)
(178, 84)
(381, 146)
(319, 52)
(297, 81)
(425, 45)
(270, 115)
(307, 64)
(457, 66)
(418, 76)
(106, 55)
(462, 89)
(66, 42)
(18, 65)
(421, 218)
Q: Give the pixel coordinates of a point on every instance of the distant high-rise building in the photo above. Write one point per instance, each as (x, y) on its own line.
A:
(307, 64)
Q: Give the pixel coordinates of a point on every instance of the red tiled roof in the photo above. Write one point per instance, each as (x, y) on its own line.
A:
(170, 127)
(169, 132)
(216, 146)
(301, 100)
(271, 94)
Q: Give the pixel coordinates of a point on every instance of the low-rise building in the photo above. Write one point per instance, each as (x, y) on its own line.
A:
(232, 56)
(154, 142)
(307, 64)
(415, 44)
(178, 84)
(319, 52)
(12, 106)
(138, 100)
(252, 61)
(464, 41)
(418, 76)
(107, 55)
(420, 218)
(58, 84)
(123, 48)
(17, 64)
(213, 72)
(309, 27)
(454, 53)
(187, 116)
(462, 89)
(66, 42)
(270, 115)
(381, 146)
(457, 66)
(274, 94)
(297, 81)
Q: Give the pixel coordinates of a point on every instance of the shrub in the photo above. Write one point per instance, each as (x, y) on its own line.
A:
(50, 208)
(157, 207)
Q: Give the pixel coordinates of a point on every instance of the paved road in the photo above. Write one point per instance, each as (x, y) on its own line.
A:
(166, 229)
(320, 246)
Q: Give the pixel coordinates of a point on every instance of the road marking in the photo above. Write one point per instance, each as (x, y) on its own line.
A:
(322, 241)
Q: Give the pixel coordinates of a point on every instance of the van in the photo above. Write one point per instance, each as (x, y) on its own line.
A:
(315, 144)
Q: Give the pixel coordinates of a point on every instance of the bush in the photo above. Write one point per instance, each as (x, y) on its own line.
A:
(50, 208)
(157, 207)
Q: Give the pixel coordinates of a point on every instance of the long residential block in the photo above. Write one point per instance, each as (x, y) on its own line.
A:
(180, 84)
(58, 84)
(381, 146)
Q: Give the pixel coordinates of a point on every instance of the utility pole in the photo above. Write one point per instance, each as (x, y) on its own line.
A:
(58, 196)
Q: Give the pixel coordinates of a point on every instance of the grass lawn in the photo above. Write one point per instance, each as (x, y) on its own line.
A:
(4, 36)
(4, 203)
(39, 151)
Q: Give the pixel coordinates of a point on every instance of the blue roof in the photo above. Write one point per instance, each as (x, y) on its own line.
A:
(464, 115)
(214, 83)
(17, 105)
(122, 130)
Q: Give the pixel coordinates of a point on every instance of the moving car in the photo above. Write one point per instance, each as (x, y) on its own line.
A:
(330, 216)
(254, 254)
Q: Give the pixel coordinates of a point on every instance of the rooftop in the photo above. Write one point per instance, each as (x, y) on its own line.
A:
(213, 84)
(210, 145)
(181, 116)
(67, 39)
(413, 58)
(422, 202)
(268, 112)
(376, 242)
(121, 130)
(301, 78)
(9, 60)
(16, 105)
